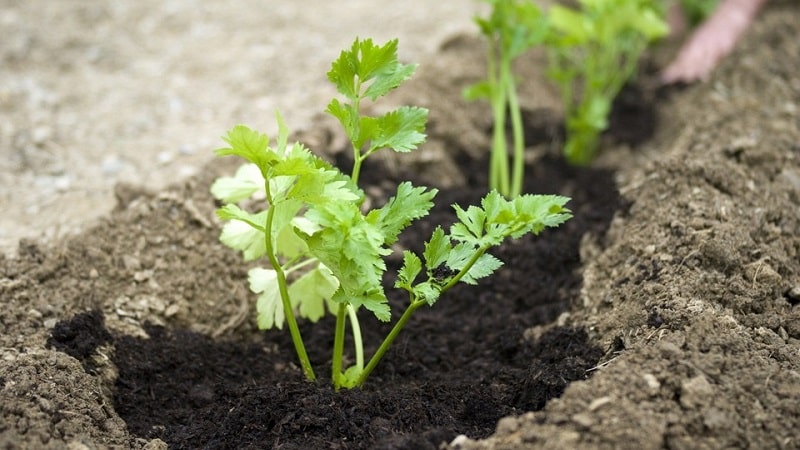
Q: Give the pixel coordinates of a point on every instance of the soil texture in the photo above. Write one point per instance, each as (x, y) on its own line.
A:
(664, 315)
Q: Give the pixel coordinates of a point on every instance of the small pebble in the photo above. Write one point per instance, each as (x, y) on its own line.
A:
(172, 310)
(695, 392)
(598, 402)
(583, 419)
(507, 425)
(653, 385)
(131, 262)
(794, 295)
(459, 440)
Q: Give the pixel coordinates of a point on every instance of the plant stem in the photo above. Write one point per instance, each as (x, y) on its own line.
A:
(415, 304)
(300, 265)
(357, 160)
(464, 270)
(294, 330)
(518, 135)
(338, 347)
(498, 170)
(387, 342)
(358, 343)
(357, 157)
(338, 343)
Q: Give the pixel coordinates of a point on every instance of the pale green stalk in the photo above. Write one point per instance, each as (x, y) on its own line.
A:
(412, 307)
(294, 330)
(518, 135)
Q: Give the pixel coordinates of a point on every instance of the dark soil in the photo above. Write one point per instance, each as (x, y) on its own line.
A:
(458, 367)
(665, 315)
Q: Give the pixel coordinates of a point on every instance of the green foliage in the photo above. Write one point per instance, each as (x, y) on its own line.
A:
(461, 254)
(369, 71)
(697, 10)
(593, 53)
(325, 252)
(513, 27)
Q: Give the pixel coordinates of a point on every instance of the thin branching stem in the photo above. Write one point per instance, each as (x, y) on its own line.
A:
(294, 330)
(387, 342)
(338, 346)
(412, 307)
(518, 135)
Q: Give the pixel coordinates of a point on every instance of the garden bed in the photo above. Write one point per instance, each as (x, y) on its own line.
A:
(667, 307)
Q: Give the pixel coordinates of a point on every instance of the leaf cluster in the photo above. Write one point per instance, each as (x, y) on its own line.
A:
(353, 245)
(593, 52)
(461, 255)
(369, 71)
(326, 252)
(292, 181)
(513, 27)
(315, 214)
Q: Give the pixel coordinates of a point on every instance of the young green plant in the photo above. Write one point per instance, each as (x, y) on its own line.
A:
(593, 52)
(697, 10)
(325, 251)
(513, 27)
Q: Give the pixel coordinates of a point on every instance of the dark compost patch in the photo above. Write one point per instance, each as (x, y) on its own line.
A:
(456, 369)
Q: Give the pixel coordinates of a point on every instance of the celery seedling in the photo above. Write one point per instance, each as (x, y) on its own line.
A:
(697, 10)
(593, 53)
(324, 250)
(513, 27)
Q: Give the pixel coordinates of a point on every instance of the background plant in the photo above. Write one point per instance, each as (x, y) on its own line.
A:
(697, 10)
(593, 52)
(325, 252)
(513, 27)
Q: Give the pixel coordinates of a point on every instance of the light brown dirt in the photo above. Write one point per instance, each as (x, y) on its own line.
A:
(695, 291)
(93, 93)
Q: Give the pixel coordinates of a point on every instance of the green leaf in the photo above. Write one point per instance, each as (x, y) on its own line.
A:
(367, 63)
(269, 305)
(570, 24)
(496, 207)
(471, 226)
(402, 130)
(246, 183)
(288, 244)
(283, 133)
(436, 249)
(349, 379)
(409, 271)
(241, 236)
(374, 60)
(483, 267)
(480, 90)
(348, 117)
(460, 255)
(651, 25)
(343, 72)
(313, 291)
(542, 211)
(375, 302)
(428, 291)
(410, 203)
(521, 25)
(244, 232)
(392, 77)
(250, 145)
(353, 249)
